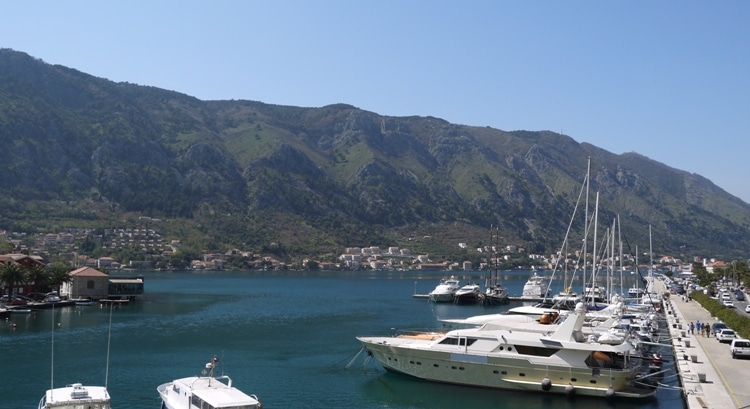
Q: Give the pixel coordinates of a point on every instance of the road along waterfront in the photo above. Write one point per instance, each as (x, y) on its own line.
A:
(710, 377)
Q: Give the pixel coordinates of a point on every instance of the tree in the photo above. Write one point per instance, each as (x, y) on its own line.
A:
(58, 276)
(703, 276)
(36, 276)
(12, 275)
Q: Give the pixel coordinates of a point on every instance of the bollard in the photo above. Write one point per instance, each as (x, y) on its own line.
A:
(682, 333)
(694, 359)
(701, 377)
(687, 344)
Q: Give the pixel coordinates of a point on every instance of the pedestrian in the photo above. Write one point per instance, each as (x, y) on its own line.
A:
(698, 326)
(691, 328)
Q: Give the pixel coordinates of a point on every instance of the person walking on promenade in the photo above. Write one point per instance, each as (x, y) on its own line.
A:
(691, 328)
(698, 326)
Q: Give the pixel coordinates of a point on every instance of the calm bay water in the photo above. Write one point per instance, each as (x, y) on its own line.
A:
(286, 336)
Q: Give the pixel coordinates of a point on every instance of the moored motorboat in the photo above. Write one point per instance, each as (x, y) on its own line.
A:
(76, 396)
(445, 291)
(561, 360)
(205, 391)
(636, 292)
(535, 287)
(468, 294)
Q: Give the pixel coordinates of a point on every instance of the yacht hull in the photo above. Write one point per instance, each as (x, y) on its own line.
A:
(503, 373)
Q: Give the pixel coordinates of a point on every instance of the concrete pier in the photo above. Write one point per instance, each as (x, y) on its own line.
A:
(710, 377)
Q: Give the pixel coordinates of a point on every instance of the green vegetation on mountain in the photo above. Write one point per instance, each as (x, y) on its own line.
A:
(81, 151)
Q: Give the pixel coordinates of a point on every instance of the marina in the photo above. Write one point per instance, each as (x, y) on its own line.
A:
(286, 336)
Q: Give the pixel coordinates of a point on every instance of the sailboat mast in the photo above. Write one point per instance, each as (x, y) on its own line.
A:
(619, 239)
(651, 262)
(488, 277)
(52, 358)
(612, 260)
(586, 224)
(109, 337)
(593, 253)
(496, 278)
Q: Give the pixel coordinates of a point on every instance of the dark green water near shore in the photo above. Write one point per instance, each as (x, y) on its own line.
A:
(284, 336)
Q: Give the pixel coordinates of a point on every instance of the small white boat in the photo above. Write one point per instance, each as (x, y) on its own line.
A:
(205, 391)
(635, 292)
(445, 291)
(76, 396)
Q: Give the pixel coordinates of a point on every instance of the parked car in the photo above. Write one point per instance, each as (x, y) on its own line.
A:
(726, 335)
(740, 348)
(52, 297)
(36, 296)
(717, 326)
(15, 300)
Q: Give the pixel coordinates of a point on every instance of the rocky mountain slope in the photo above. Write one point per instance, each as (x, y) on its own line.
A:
(84, 150)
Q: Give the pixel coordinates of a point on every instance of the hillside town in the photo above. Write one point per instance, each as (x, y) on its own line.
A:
(151, 251)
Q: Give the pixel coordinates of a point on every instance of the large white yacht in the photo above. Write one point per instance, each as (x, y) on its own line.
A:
(562, 360)
(205, 391)
(468, 294)
(76, 396)
(535, 287)
(445, 291)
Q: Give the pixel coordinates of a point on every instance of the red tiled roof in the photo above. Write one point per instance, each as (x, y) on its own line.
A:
(87, 272)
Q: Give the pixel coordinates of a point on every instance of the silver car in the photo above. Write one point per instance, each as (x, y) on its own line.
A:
(726, 335)
(740, 348)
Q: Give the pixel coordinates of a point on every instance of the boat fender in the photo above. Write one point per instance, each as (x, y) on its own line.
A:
(610, 393)
(570, 390)
(546, 384)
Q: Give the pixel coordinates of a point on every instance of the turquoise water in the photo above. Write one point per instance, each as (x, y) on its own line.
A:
(284, 336)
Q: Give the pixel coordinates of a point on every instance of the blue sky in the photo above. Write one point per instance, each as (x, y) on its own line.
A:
(666, 79)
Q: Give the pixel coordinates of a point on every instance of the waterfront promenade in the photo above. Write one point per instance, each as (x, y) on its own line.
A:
(710, 377)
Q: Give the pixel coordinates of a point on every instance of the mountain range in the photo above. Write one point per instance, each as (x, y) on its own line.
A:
(79, 150)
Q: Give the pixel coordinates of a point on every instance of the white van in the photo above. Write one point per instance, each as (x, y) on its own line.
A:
(740, 347)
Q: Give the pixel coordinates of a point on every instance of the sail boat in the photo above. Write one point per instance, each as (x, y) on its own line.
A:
(76, 395)
(494, 293)
(568, 298)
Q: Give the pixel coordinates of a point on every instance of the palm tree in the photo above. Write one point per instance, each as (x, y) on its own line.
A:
(59, 274)
(36, 276)
(12, 275)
